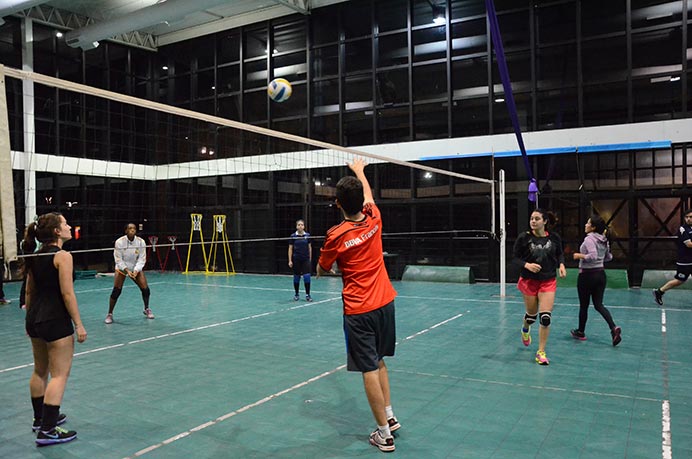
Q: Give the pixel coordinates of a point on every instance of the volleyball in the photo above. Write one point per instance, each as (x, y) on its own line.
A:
(279, 90)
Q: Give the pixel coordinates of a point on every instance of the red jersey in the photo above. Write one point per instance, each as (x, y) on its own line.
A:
(357, 249)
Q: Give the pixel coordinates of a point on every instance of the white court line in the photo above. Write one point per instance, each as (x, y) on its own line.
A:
(667, 439)
(266, 399)
(530, 386)
(188, 330)
(663, 321)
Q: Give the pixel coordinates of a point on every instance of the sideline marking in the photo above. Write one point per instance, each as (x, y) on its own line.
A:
(266, 399)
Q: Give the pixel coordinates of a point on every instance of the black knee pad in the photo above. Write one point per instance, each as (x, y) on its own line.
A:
(116, 293)
(145, 293)
(545, 318)
(530, 319)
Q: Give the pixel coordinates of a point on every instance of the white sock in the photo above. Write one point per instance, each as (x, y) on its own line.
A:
(389, 411)
(384, 430)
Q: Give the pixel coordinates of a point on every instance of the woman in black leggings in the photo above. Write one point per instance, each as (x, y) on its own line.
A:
(591, 283)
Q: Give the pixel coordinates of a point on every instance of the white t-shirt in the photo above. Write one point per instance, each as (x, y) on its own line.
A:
(130, 254)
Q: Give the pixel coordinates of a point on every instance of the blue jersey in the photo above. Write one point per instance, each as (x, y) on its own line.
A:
(301, 246)
(684, 252)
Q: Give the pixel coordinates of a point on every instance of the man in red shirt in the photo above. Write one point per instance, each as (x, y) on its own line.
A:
(369, 326)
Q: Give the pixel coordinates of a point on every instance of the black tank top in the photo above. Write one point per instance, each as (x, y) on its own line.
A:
(46, 302)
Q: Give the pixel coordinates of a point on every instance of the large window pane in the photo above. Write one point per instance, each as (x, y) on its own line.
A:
(229, 47)
(358, 93)
(289, 36)
(393, 50)
(600, 18)
(255, 43)
(656, 98)
(256, 74)
(430, 121)
(470, 77)
(325, 61)
(291, 66)
(604, 59)
(469, 37)
(229, 79)
(358, 128)
(557, 108)
(648, 13)
(557, 66)
(255, 106)
(605, 104)
(358, 55)
(429, 44)
(556, 23)
(656, 52)
(429, 82)
(392, 87)
(393, 125)
(356, 18)
(501, 120)
(470, 117)
(325, 96)
(325, 26)
(391, 15)
(296, 105)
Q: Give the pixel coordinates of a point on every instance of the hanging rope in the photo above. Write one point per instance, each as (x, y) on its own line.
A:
(509, 96)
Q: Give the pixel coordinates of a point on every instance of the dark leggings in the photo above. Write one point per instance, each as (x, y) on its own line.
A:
(590, 286)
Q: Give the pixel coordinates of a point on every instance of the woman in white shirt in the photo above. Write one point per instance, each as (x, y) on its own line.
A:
(130, 256)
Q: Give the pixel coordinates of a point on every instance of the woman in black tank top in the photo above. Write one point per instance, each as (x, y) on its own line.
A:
(51, 310)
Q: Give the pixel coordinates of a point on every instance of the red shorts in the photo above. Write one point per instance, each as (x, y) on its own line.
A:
(532, 287)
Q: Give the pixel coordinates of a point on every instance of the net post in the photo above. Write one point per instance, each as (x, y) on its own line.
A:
(503, 237)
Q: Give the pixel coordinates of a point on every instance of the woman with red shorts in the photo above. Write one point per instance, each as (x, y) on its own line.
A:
(538, 253)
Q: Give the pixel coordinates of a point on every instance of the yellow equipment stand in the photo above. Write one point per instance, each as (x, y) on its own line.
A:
(196, 227)
(220, 238)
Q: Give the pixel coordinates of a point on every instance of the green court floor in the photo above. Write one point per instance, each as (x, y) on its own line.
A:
(232, 367)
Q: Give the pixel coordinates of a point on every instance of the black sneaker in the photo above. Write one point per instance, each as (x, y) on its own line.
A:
(37, 422)
(658, 296)
(617, 335)
(55, 436)
(576, 334)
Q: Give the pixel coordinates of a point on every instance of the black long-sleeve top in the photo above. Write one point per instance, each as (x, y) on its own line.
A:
(546, 251)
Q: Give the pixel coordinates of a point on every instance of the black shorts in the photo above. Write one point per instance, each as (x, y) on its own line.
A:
(369, 337)
(51, 330)
(683, 272)
(301, 267)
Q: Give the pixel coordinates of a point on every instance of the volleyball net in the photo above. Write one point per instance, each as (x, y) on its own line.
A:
(105, 159)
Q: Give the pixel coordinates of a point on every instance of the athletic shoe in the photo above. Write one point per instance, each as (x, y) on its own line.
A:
(37, 422)
(308, 298)
(576, 334)
(296, 298)
(658, 296)
(109, 319)
(616, 334)
(393, 424)
(526, 336)
(147, 312)
(4, 301)
(54, 436)
(541, 359)
(384, 444)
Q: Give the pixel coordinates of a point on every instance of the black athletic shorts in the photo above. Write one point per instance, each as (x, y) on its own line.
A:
(51, 330)
(369, 337)
(683, 272)
(301, 267)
